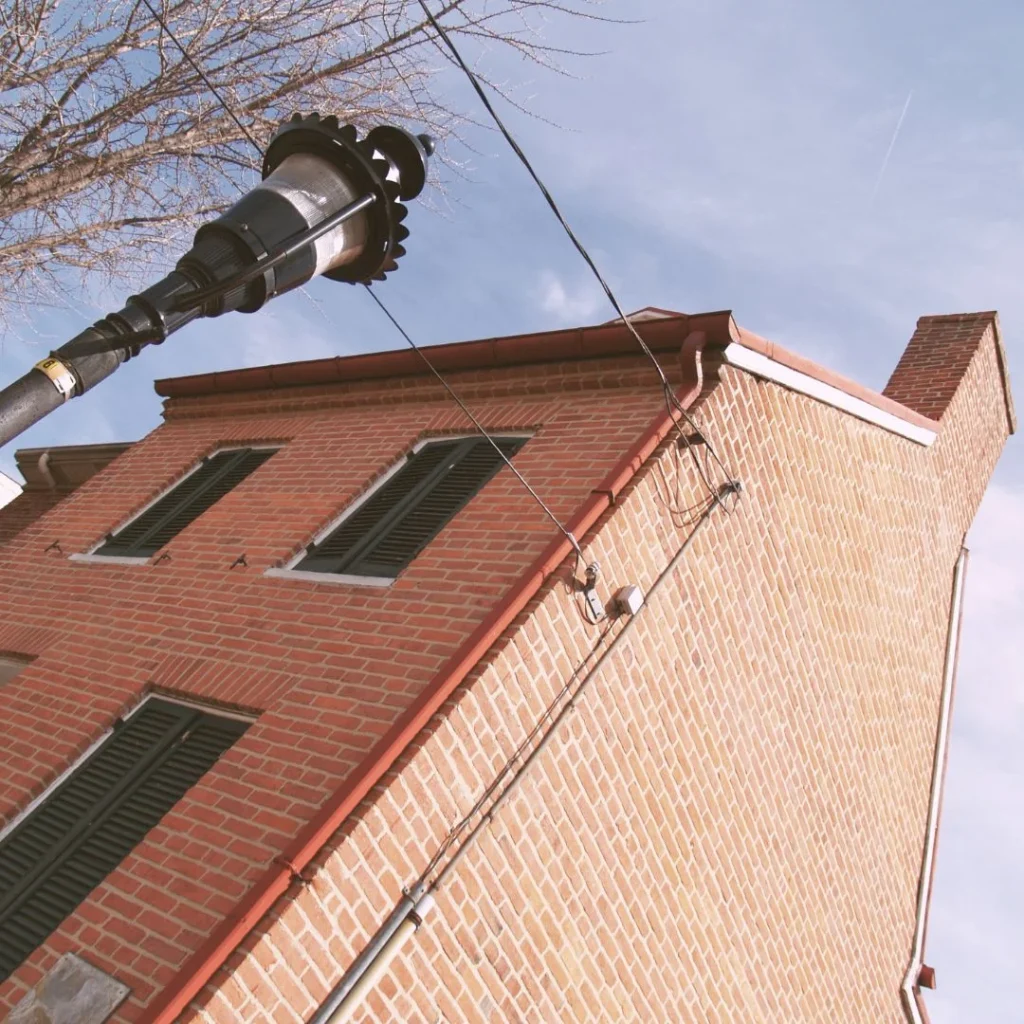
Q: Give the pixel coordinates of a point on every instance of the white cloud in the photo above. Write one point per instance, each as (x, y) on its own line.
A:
(579, 305)
(763, 145)
(991, 668)
(974, 932)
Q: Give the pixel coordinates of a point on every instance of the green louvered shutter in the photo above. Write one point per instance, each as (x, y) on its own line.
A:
(162, 521)
(65, 847)
(400, 519)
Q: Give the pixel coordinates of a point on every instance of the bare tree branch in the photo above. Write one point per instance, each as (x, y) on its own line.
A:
(111, 145)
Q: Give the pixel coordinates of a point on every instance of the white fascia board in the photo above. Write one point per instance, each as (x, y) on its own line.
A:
(761, 366)
(9, 489)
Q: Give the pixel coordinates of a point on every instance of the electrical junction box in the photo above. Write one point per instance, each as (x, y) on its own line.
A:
(628, 599)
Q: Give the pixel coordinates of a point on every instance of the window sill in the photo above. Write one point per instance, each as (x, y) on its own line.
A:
(110, 559)
(329, 577)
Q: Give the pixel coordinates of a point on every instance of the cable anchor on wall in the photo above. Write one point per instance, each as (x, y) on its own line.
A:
(590, 595)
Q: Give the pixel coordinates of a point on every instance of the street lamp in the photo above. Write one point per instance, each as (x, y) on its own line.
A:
(329, 204)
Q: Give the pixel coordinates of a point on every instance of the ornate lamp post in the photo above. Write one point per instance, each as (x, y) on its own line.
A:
(329, 203)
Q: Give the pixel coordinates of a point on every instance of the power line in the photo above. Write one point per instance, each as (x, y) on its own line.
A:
(476, 423)
(376, 298)
(504, 784)
(670, 397)
(537, 739)
(202, 74)
(220, 99)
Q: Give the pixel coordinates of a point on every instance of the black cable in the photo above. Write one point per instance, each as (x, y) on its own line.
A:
(547, 715)
(536, 497)
(538, 737)
(476, 423)
(670, 397)
(199, 71)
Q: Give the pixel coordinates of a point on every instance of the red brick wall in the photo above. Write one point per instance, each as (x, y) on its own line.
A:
(26, 508)
(731, 826)
(329, 666)
(936, 360)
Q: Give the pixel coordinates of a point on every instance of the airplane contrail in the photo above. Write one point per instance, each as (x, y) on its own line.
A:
(888, 152)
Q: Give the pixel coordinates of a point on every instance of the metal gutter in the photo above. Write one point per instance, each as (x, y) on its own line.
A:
(64, 467)
(598, 342)
(910, 990)
(742, 349)
(43, 465)
(315, 834)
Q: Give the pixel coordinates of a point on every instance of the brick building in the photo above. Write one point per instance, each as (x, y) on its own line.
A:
(261, 662)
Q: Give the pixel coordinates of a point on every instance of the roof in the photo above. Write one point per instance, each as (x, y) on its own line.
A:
(67, 467)
(603, 340)
(647, 313)
(662, 330)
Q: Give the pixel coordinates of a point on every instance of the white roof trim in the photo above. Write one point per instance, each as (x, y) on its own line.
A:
(9, 489)
(761, 366)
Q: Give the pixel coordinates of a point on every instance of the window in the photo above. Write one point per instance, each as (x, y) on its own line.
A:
(379, 537)
(10, 666)
(61, 849)
(157, 525)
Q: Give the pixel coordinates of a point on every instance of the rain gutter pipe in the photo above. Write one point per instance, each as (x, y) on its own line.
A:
(314, 835)
(407, 916)
(910, 990)
(43, 465)
(349, 992)
(367, 968)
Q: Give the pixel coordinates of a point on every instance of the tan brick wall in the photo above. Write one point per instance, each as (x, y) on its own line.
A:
(730, 828)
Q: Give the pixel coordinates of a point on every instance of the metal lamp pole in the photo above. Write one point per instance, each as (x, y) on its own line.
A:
(329, 203)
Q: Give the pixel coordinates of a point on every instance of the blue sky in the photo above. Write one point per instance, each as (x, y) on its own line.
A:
(728, 155)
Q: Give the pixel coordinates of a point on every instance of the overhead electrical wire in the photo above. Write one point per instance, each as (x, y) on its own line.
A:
(548, 715)
(670, 397)
(537, 737)
(463, 834)
(568, 534)
(532, 746)
(476, 423)
(202, 74)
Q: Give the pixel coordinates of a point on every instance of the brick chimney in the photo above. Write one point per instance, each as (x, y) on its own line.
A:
(937, 359)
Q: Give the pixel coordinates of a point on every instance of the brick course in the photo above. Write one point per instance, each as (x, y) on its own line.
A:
(24, 510)
(731, 826)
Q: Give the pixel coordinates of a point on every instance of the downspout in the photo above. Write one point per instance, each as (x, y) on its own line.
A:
(367, 968)
(314, 835)
(917, 972)
(43, 465)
